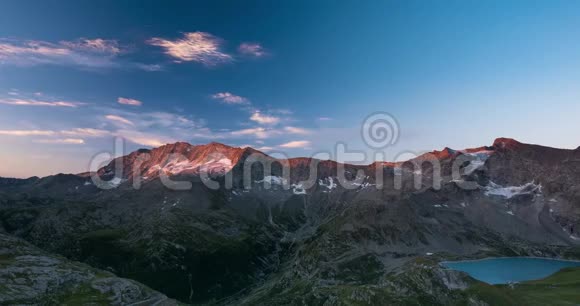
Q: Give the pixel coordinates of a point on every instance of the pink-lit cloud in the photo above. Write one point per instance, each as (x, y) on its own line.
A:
(264, 119)
(77, 141)
(252, 49)
(31, 102)
(95, 53)
(198, 47)
(296, 130)
(264, 148)
(296, 144)
(229, 98)
(98, 45)
(67, 134)
(119, 119)
(27, 133)
(256, 132)
(146, 139)
(85, 132)
(129, 101)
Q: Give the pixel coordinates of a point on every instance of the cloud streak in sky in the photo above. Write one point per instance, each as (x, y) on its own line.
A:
(252, 49)
(99, 53)
(61, 141)
(295, 144)
(264, 119)
(31, 102)
(98, 45)
(76, 132)
(86, 132)
(95, 53)
(119, 119)
(296, 130)
(144, 138)
(152, 129)
(258, 132)
(155, 128)
(198, 47)
(128, 101)
(26, 132)
(86, 53)
(229, 98)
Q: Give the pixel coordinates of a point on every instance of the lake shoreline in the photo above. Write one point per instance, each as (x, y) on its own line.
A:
(508, 257)
(505, 270)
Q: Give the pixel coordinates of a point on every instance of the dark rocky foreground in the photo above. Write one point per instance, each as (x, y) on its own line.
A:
(271, 245)
(29, 275)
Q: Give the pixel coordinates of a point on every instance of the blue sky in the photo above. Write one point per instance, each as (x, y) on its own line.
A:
(294, 77)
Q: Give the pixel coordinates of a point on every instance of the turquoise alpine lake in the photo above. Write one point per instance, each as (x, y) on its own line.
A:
(510, 269)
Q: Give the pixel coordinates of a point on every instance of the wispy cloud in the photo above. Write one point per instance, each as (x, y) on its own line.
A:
(80, 53)
(156, 128)
(158, 120)
(86, 53)
(148, 67)
(67, 134)
(155, 120)
(42, 133)
(128, 101)
(98, 45)
(324, 118)
(296, 130)
(229, 98)
(264, 119)
(264, 148)
(252, 49)
(119, 119)
(198, 47)
(148, 129)
(296, 144)
(86, 132)
(27, 133)
(61, 141)
(263, 132)
(143, 138)
(259, 132)
(32, 102)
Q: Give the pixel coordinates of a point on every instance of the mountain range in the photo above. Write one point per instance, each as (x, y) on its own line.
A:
(243, 234)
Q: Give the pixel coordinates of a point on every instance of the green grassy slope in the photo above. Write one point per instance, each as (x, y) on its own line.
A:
(561, 288)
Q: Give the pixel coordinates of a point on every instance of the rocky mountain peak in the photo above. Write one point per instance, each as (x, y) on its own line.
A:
(177, 158)
(505, 143)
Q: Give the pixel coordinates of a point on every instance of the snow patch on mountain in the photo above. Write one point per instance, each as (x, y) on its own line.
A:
(112, 184)
(176, 166)
(331, 184)
(298, 189)
(362, 182)
(509, 192)
(365, 185)
(217, 166)
(478, 160)
(273, 180)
